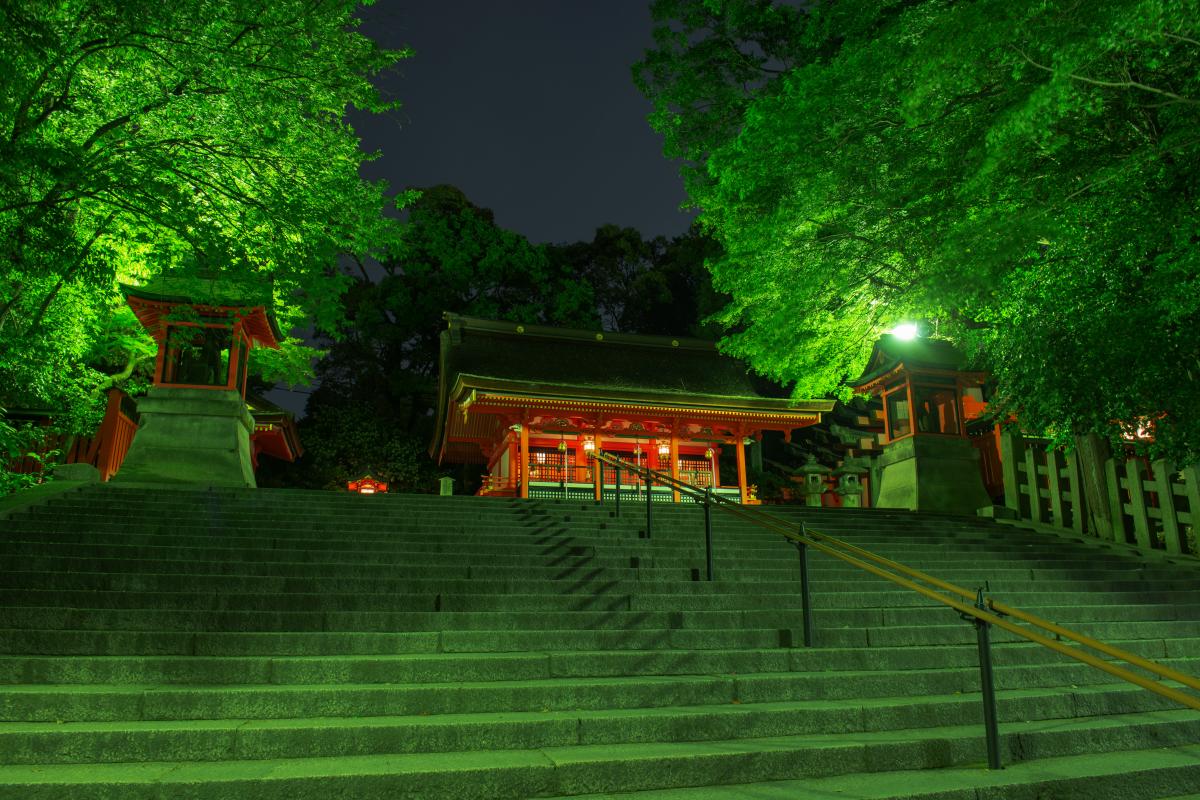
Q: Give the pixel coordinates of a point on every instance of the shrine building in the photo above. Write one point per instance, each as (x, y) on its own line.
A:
(530, 402)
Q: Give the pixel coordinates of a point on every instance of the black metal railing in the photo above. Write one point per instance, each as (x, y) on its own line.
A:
(973, 606)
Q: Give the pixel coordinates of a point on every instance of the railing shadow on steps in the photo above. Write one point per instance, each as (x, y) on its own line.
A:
(973, 606)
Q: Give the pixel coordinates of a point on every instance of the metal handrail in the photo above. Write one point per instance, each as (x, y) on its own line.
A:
(984, 611)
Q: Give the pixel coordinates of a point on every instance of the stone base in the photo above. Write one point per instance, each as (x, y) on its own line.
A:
(197, 437)
(931, 473)
(997, 512)
(84, 473)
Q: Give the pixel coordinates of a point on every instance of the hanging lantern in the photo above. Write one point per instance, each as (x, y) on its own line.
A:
(562, 446)
(589, 445)
(367, 485)
(664, 450)
(708, 454)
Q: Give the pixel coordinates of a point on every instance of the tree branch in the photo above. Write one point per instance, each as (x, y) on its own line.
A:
(131, 363)
(1179, 38)
(66, 276)
(124, 119)
(1130, 84)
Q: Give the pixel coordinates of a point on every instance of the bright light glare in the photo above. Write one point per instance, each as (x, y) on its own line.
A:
(905, 331)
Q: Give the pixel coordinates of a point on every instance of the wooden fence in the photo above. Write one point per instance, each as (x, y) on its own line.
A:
(104, 450)
(1151, 505)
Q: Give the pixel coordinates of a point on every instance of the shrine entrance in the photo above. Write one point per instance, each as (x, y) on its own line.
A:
(532, 403)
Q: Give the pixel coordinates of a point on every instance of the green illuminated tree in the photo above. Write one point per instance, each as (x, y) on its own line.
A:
(139, 136)
(1022, 177)
(382, 373)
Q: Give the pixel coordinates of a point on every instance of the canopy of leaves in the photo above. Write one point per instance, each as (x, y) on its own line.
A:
(139, 136)
(713, 58)
(651, 286)
(449, 256)
(1021, 176)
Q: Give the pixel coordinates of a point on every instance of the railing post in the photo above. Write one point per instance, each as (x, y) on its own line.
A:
(617, 467)
(649, 503)
(805, 598)
(991, 727)
(708, 555)
(1012, 453)
(1137, 502)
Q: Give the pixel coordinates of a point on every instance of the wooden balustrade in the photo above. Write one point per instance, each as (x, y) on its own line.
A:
(1150, 505)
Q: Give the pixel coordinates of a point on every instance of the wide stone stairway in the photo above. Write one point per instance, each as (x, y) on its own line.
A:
(282, 644)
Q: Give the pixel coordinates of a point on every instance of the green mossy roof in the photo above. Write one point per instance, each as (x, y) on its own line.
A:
(204, 290)
(208, 289)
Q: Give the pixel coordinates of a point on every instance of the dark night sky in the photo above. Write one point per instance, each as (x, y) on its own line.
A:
(529, 108)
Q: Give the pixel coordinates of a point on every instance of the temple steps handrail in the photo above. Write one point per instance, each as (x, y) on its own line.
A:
(907, 577)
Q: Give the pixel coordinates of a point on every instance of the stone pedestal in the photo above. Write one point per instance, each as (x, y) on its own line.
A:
(931, 473)
(198, 437)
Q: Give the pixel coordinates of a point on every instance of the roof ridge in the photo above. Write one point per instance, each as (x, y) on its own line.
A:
(540, 331)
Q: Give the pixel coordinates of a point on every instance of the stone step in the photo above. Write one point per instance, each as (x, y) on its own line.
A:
(1134, 775)
(124, 642)
(252, 739)
(887, 608)
(112, 702)
(433, 667)
(290, 615)
(581, 769)
(571, 570)
(262, 643)
(433, 544)
(470, 526)
(693, 584)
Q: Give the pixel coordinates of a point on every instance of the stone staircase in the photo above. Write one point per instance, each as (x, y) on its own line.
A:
(281, 644)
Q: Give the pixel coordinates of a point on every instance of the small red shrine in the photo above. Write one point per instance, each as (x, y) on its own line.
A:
(530, 402)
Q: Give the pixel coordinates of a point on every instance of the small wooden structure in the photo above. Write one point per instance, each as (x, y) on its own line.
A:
(924, 390)
(196, 426)
(275, 432)
(530, 402)
(204, 328)
(367, 485)
(927, 461)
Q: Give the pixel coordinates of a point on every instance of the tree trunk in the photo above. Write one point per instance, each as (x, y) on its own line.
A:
(1093, 452)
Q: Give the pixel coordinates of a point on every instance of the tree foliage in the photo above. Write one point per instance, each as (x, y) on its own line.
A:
(380, 376)
(1022, 177)
(649, 286)
(140, 136)
(449, 256)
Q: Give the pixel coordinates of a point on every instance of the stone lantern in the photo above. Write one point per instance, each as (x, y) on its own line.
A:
(927, 463)
(849, 478)
(814, 481)
(195, 427)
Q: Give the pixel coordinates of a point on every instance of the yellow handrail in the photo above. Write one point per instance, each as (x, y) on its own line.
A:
(908, 577)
